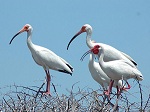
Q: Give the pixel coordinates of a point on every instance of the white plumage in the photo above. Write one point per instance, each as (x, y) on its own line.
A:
(45, 57)
(98, 74)
(116, 69)
(110, 54)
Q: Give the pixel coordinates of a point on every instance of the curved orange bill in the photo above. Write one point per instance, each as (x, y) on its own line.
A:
(74, 38)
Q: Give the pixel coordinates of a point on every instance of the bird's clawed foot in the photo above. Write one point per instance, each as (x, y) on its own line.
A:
(46, 93)
(107, 93)
(126, 88)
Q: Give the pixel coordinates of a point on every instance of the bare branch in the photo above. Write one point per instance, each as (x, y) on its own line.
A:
(146, 103)
(141, 95)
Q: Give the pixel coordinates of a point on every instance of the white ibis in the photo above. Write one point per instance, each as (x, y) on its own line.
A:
(98, 74)
(45, 57)
(100, 77)
(110, 52)
(116, 69)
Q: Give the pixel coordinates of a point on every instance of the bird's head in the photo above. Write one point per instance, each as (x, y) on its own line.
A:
(85, 28)
(26, 28)
(95, 50)
(139, 77)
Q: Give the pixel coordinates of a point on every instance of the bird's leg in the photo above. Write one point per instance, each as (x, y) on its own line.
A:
(110, 88)
(118, 91)
(105, 89)
(125, 88)
(48, 79)
(105, 92)
(112, 82)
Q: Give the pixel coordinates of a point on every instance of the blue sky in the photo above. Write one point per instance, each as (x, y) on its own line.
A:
(122, 24)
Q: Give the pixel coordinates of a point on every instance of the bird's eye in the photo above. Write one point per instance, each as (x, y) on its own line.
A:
(83, 28)
(97, 46)
(26, 27)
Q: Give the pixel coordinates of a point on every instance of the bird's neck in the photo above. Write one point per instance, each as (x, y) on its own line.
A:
(92, 56)
(29, 42)
(101, 59)
(88, 40)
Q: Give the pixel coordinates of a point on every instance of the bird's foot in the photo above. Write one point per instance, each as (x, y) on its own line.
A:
(126, 88)
(46, 93)
(107, 93)
(123, 89)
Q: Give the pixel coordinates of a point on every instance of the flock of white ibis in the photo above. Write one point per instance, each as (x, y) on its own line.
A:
(111, 68)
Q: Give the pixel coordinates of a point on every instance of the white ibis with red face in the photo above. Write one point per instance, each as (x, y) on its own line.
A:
(116, 69)
(99, 75)
(110, 52)
(45, 57)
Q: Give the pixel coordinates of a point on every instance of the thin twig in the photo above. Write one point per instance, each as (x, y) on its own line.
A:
(39, 90)
(146, 103)
(140, 94)
(8, 105)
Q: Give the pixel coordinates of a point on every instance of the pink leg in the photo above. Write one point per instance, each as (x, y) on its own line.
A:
(118, 91)
(110, 88)
(125, 88)
(48, 77)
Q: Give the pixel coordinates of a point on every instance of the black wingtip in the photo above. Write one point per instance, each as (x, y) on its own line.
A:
(64, 71)
(134, 63)
(70, 67)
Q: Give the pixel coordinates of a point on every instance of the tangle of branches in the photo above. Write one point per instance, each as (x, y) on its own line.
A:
(30, 99)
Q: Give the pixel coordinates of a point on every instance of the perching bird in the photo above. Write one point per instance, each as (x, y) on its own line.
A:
(116, 69)
(110, 52)
(45, 57)
(99, 76)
